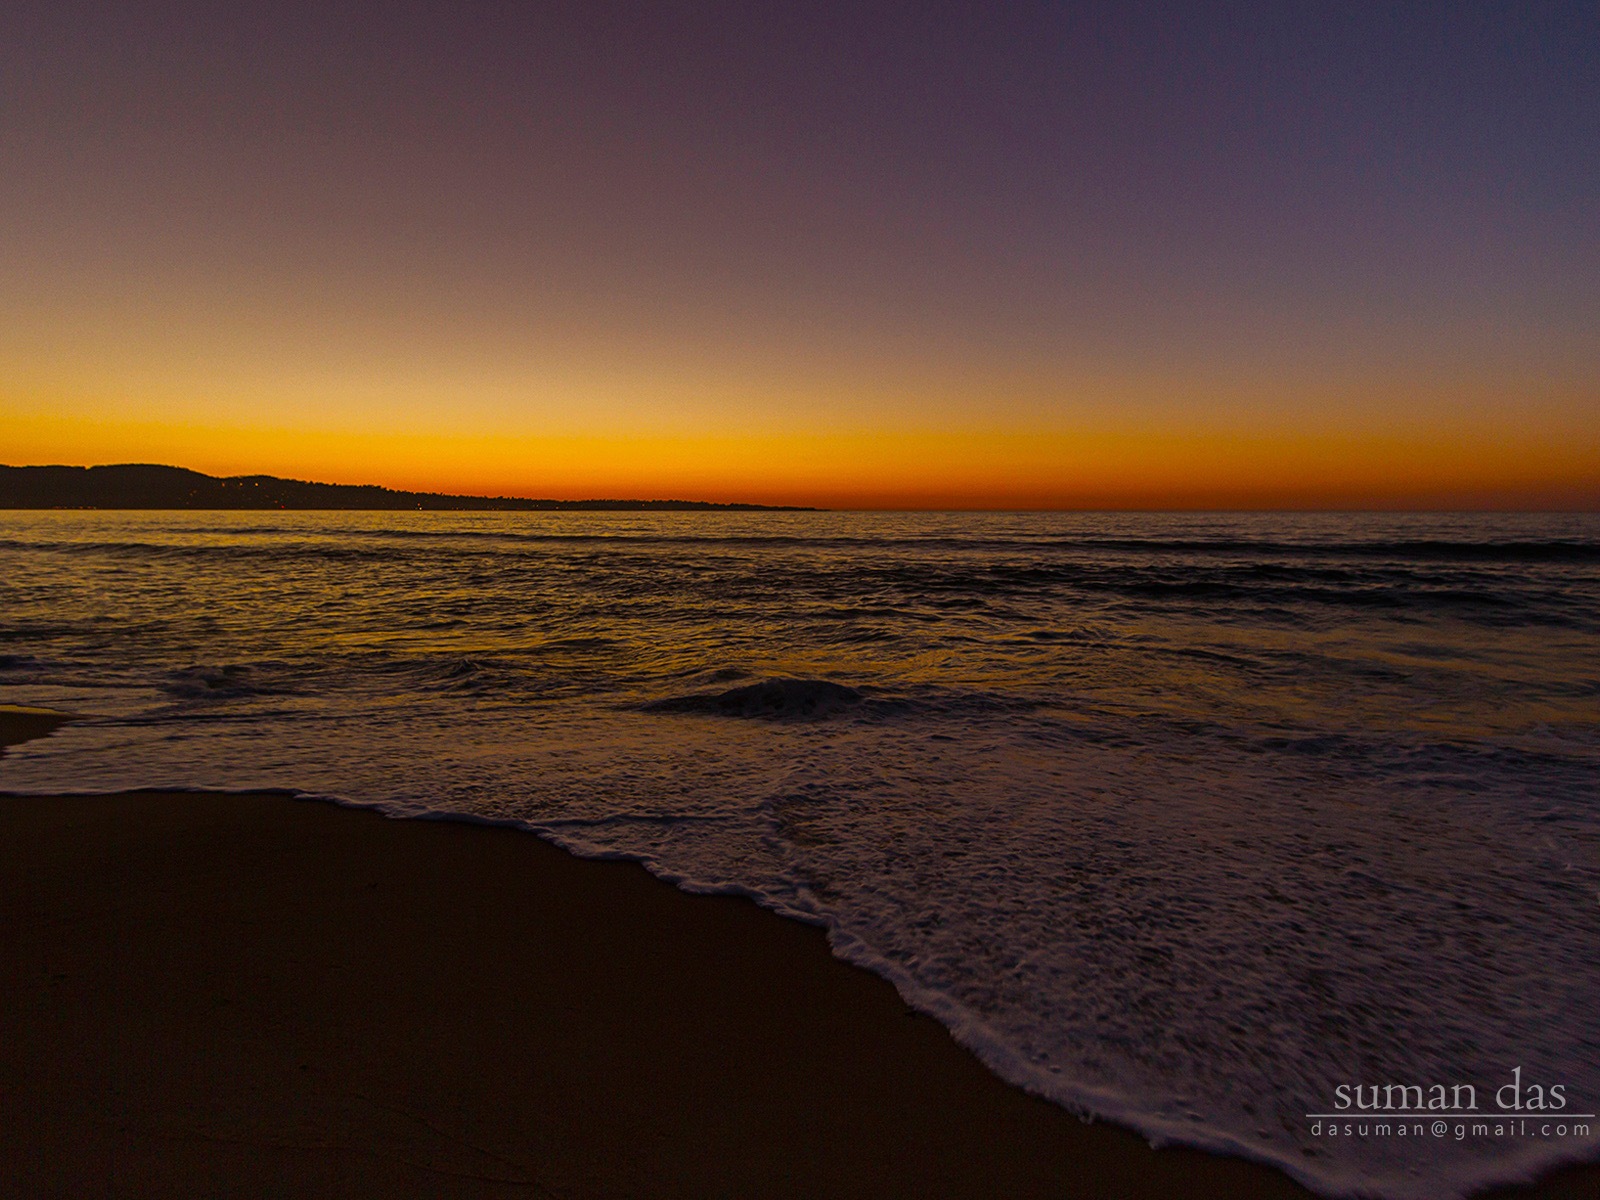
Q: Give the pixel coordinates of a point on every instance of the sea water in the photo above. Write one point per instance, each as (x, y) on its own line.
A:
(1187, 821)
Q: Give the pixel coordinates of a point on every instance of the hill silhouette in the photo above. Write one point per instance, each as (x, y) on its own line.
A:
(143, 485)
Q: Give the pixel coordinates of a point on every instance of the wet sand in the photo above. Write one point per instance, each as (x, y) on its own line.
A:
(19, 723)
(247, 995)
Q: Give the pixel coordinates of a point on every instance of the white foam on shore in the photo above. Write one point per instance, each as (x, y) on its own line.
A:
(989, 1044)
(1181, 821)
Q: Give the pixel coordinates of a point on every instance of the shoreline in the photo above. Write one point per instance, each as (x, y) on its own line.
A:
(23, 723)
(216, 992)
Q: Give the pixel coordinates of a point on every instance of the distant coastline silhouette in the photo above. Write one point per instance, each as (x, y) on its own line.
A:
(143, 485)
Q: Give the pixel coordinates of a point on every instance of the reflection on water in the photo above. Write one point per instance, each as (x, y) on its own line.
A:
(1184, 819)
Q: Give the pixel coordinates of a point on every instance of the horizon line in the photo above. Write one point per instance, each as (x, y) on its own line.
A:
(1483, 504)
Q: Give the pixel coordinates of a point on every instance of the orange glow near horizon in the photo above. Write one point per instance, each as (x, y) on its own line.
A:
(1051, 259)
(949, 468)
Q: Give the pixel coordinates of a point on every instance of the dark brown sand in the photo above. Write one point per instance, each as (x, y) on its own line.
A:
(21, 724)
(225, 995)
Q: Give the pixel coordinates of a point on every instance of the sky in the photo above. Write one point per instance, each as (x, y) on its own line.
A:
(1129, 255)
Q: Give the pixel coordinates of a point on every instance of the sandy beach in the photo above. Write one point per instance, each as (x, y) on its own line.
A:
(248, 995)
(21, 723)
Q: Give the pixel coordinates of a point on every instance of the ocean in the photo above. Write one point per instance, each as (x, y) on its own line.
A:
(1209, 824)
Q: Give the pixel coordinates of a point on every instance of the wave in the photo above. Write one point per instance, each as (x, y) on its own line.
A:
(230, 681)
(1466, 549)
(1498, 550)
(771, 699)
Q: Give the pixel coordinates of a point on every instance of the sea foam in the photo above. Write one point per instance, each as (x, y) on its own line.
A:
(1184, 821)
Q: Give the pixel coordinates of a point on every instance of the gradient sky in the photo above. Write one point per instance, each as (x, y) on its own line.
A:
(927, 254)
